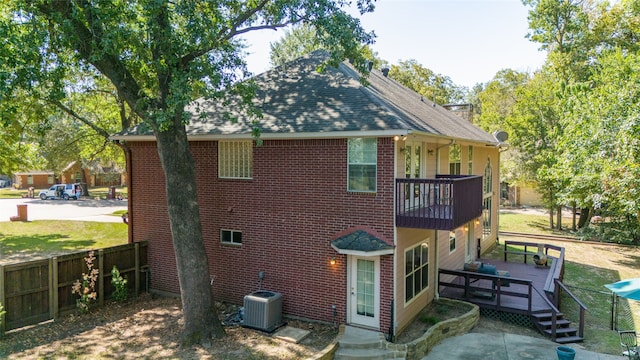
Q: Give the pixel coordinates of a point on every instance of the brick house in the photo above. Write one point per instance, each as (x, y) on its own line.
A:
(36, 179)
(94, 174)
(356, 197)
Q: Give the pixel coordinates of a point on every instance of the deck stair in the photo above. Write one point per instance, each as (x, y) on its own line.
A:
(564, 332)
(360, 344)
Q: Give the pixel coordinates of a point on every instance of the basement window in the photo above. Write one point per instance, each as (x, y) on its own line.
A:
(231, 237)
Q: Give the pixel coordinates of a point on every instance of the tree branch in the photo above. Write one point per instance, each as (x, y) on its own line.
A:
(82, 119)
(228, 32)
(107, 63)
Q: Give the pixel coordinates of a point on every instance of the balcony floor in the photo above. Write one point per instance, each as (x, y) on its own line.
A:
(538, 275)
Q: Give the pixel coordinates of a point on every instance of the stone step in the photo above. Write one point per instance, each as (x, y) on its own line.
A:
(367, 354)
(354, 338)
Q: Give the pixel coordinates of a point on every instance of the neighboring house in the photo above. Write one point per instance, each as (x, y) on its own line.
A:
(95, 174)
(348, 208)
(519, 195)
(36, 179)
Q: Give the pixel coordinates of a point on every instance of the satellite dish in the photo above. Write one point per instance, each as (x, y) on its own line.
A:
(500, 135)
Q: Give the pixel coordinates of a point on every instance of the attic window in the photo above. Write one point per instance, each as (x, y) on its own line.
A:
(235, 159)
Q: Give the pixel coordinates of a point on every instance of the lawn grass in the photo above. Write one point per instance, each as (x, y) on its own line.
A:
(94, 192)
(11, 193)
(532, 224)
(55, 236)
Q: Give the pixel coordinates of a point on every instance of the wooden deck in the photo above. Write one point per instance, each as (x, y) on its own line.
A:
(522, 292)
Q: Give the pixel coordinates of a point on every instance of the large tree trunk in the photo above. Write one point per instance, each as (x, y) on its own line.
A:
(585, 216)
(551, 217)
(200, 317)
(559, 217)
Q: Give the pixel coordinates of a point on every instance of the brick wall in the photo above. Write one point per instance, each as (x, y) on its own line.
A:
(288, 212)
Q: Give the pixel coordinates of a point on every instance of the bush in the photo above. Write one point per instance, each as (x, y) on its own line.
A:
(85, 287)
(120, 285)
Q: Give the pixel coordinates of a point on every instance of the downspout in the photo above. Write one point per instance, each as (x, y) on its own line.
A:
(437, 272)
(392, 325)
(129, 165)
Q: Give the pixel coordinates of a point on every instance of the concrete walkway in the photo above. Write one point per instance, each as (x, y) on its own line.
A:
(501, 346)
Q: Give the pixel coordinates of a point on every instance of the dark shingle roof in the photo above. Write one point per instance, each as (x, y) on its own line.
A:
(298, 99)
(360, 241)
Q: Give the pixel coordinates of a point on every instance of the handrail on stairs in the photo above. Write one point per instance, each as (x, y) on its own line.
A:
(554, 313)
(583, 308)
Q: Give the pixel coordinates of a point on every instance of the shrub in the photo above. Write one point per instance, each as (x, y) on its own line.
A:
(119, 284)
(2, 312)
(85, 287)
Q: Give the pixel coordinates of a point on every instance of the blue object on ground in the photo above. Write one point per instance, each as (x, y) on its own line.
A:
(565, 353)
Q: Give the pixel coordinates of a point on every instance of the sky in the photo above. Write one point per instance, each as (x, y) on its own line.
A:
(466, 40)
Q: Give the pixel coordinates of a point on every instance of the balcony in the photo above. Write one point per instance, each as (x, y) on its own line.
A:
(443, 203)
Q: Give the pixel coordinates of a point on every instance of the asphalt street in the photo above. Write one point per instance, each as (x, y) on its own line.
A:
(82, 210)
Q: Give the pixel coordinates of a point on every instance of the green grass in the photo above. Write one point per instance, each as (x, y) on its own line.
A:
(46, 236)
(10, 193)
(95, 192)
(532, 224)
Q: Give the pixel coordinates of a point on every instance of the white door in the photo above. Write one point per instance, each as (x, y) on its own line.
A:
(471, 250)
(413, 170)
(364, 308)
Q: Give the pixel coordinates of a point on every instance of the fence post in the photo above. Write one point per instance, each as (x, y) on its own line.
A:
(2, 301)
(50, 285)
(137, 262)
(100, 277)
(54, 288)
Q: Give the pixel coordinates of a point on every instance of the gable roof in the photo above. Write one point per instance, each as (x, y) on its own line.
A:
(298, 101)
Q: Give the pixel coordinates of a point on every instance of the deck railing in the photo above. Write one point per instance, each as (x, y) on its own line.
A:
(497, 291)
(443, 203)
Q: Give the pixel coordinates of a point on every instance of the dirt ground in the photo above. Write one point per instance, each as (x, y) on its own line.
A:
(149, 328)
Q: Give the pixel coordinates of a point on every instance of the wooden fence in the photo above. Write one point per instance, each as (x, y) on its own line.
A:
(40, 290)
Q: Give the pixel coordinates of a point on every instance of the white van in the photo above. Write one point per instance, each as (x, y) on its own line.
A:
(60, 191)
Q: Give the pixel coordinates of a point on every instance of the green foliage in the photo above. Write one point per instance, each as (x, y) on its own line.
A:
(434, 87)
(85, 287)
(429, 320)
(119, 285)
(2, 312)
(160, 56)
(298, 41)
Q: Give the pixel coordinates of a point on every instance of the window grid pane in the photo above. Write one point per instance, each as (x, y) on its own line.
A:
(235, 159)
(365, 287)
(416, 270)
(362, 157)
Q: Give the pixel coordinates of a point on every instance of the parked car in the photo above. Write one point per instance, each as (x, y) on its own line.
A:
(61, 191)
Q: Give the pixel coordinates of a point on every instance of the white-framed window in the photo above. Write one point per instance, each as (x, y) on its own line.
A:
(50, 179)
(470, 160)
(416, 277)
(455, 161)
(231, 237)
(235, 159)
(29, 179)
(452, 241)
(362, 159)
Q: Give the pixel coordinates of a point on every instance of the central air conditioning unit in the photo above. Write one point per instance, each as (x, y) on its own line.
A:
(263, 310)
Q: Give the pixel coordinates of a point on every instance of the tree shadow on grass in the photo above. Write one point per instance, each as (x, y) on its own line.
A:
(43, 243)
